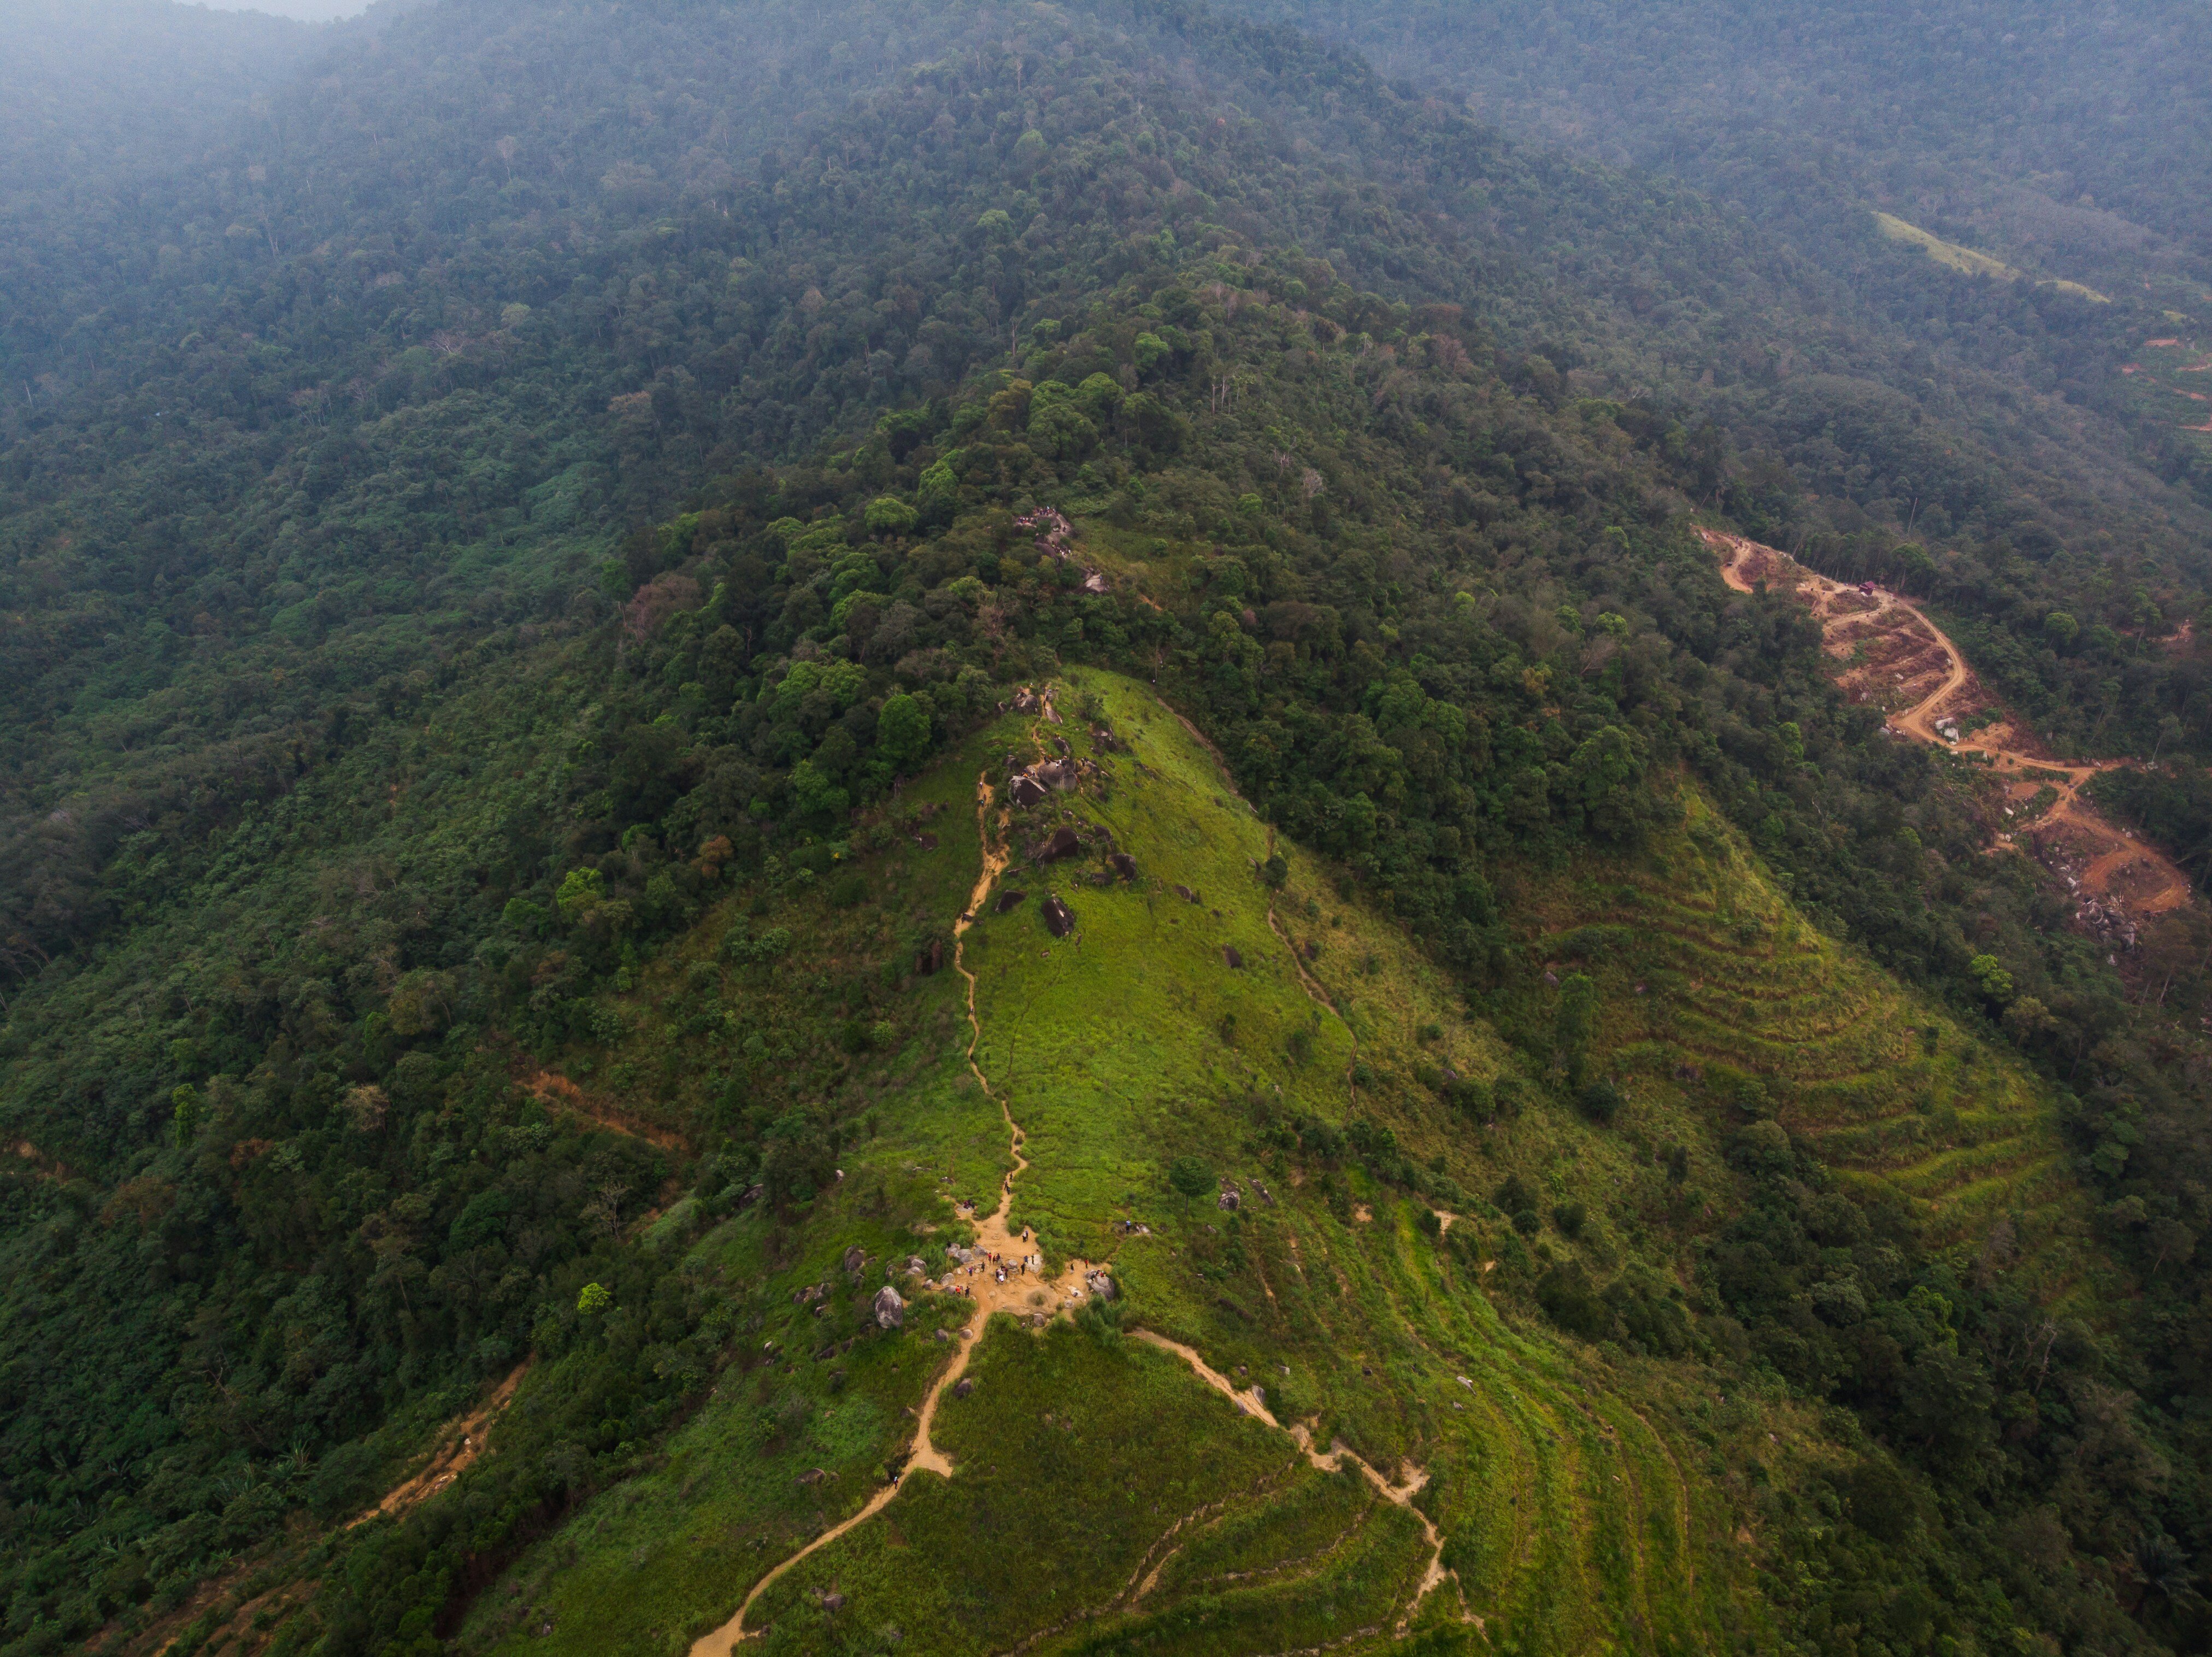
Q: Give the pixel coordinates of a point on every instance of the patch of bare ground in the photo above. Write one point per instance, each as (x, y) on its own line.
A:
(564, 1096)
(457, 1448)
(1892, 657)
(37, 1161)
(241, 1631)
(249, 1624)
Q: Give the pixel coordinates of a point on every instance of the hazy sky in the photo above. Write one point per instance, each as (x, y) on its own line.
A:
(312, 11)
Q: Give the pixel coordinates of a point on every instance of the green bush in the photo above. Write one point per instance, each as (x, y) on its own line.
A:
(1599, 1101)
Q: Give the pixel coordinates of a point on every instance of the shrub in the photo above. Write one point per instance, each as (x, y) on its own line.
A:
(1569, 1218)
(1762, 1147)
(1574, 1024)
(1601, 1102)
(1568, 1300)
(1472, 1097)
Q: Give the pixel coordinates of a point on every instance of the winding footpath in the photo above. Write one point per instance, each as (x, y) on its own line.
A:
(1253, 1403)
(1745, 563)
(1035, 1295)
(1023, 1295)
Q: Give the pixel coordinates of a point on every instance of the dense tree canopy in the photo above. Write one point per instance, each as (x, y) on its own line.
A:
(533, 472)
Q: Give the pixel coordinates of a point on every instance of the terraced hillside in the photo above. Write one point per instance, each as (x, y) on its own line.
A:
(1717, 1000)
(1397, 1457)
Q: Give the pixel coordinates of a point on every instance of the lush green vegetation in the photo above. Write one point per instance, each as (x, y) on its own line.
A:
(1996, 129)
(515, 561)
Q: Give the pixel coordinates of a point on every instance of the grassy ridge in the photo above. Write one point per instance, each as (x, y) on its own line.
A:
(1103, 1499)
(1965, 261)
(1566, 1515)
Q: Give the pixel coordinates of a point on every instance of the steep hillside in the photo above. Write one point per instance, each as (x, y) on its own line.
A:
(748, 647)
(1716, 995)
(1393, 1426)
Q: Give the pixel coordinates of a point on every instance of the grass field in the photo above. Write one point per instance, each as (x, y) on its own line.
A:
(1720, 1004)
(1103, 1498)
(1967, 262)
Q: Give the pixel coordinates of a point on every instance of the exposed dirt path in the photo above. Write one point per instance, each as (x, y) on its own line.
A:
(558, 1092)
(1253, 1404)
(2102, 863)
(998, 1283)
(460, 1444)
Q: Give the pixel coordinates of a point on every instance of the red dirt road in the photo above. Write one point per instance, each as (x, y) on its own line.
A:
(1888, 652)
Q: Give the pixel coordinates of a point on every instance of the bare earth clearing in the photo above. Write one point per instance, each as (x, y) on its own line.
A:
(1888, 654)
(459, 1444)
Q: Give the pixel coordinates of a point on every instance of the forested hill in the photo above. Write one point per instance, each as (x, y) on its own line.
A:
(2003, 146)
(2074, 135)
(92, 97)
(515, 559)
(484, 287)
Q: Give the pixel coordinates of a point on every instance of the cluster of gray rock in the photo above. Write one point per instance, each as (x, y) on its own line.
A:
(1056, 541)
(1031, 785)
(1232, 1196)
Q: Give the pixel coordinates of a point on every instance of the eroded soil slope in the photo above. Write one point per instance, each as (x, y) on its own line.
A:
(1887, 652)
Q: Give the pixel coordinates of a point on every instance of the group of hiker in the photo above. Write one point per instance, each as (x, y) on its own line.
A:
(1000, 1266)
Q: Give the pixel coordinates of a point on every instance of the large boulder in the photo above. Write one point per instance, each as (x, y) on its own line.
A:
(855, 1257)
(1100, 1285)
(1057, 919)
(891, 1310)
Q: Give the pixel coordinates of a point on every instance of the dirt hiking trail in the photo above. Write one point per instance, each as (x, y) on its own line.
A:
(1253, 1402)
(459, 1445)
(993, 1284)
(1887, 652)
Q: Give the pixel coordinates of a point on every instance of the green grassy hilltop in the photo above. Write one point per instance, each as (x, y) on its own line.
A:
(1578, 1505)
